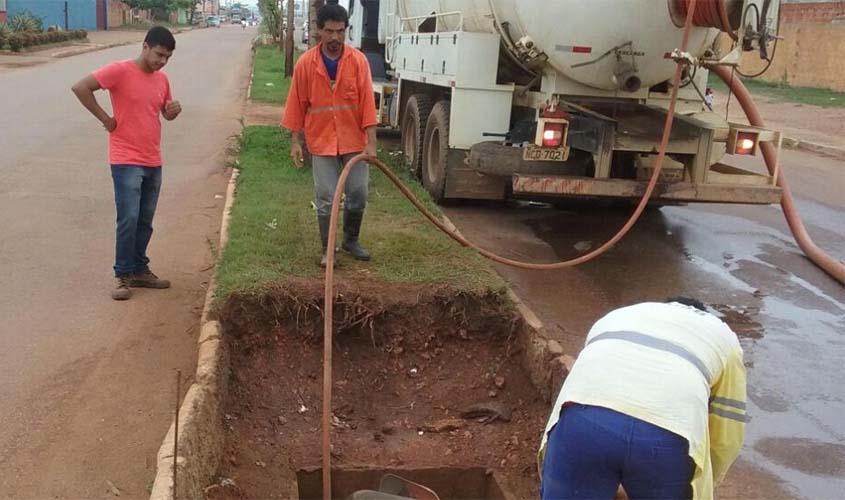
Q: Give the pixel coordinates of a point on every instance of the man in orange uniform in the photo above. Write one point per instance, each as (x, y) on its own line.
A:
(331, 98)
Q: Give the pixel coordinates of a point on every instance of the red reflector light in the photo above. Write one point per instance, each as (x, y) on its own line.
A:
(582, 50)
(553, 135)
(746, 143)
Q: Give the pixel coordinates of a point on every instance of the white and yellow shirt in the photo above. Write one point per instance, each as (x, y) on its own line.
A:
(670, 365)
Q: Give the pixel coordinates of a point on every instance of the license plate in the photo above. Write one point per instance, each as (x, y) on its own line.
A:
(545, 154)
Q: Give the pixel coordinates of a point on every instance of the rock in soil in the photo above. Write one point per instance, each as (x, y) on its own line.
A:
(489, 412)
(445, 425)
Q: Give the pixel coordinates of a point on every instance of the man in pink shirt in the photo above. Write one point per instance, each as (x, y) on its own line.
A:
(139, 92)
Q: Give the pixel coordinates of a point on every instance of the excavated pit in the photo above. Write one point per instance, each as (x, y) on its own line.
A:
(449, 483)
(408, 363)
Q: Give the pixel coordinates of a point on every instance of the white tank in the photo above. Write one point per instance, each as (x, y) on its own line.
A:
(632, 35)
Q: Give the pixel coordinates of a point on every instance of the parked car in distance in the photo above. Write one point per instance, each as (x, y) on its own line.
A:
(212, 21)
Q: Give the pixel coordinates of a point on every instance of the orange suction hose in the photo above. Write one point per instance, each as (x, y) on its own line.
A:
(813, 252)
(332, 241)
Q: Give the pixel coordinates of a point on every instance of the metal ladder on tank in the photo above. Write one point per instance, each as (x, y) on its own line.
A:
(391, 29)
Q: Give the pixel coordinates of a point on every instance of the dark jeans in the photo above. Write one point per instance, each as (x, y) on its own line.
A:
(136, 191)
(592, 450)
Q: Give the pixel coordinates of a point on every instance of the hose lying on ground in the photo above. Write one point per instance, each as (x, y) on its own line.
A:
(813, 252)
(332, 241)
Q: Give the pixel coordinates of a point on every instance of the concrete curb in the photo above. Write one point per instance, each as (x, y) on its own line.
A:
(98, 47)
(814, 147)
(201, 437)
(85, 50)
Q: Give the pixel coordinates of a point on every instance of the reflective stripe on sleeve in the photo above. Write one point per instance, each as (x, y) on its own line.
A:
(730, 415)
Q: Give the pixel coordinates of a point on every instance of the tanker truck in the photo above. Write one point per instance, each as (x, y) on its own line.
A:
(550, 99)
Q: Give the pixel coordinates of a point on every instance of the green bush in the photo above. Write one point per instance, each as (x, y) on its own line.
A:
(4, 34)
(16, 42)
(30, 38)
(26, 22)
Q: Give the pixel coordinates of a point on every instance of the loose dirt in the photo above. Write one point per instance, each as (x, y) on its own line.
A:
(407, 363)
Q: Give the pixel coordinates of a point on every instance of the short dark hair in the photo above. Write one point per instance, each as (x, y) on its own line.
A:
(688, 301)
(159, 36)
(332, 12)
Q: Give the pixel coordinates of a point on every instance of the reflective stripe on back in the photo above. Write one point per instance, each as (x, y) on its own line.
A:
(656, 343)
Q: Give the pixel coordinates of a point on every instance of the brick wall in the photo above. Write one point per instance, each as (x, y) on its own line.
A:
(119, 14)
(812, 12)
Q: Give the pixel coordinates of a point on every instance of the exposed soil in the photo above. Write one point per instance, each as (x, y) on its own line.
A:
(257, 113)
(407, 362)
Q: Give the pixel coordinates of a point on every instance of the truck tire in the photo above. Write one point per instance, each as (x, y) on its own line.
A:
(435, 151)
(413, 127)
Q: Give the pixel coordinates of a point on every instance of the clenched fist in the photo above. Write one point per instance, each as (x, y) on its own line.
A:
(110, 124)
(172, 110)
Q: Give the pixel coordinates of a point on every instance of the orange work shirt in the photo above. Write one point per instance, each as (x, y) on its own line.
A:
(334, 119)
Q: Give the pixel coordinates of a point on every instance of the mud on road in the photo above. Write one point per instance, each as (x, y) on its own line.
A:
(408, 362)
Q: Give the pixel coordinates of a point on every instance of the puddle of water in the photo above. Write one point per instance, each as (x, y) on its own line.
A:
(809, 456)
(791, 332)
(740, 320)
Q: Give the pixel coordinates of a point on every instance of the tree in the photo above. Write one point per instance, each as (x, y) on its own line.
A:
(184, 4)
(313, 32)
(270, 12)
(290, 42)
(158, 8)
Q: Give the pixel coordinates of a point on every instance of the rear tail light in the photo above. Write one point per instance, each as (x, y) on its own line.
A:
(743, 142)
(746, 144)
(553, 134)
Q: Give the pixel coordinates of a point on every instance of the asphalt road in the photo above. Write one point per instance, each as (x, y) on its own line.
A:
(742, 262)
(86, 383)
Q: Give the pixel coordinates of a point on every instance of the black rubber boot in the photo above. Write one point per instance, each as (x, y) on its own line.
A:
(351, 229)
(324, 222)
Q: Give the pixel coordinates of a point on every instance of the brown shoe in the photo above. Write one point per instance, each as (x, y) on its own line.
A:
(146, 279)
(121, 291)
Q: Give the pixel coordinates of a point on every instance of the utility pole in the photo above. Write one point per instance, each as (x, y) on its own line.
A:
(290, 41)
(313, 31)
(281, 5)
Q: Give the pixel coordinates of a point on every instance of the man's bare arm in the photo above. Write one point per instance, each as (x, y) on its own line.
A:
(84, 90)
(372, 142)
(297, 152)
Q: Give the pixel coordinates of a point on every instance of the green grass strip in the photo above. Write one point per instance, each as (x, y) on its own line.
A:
(273, 232)
(824, 98)
(268, 81)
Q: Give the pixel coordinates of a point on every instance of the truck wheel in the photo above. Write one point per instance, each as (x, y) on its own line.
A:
(413, 126)
(435, 151)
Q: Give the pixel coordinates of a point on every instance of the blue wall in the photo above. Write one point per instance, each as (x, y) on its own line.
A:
(82, 14)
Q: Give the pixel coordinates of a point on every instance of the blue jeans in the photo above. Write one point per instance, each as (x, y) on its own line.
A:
(136, 191)
(592, 450)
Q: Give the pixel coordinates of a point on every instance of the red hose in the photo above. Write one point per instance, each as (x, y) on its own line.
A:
(708, 14)
(813, 252)
(332, 241)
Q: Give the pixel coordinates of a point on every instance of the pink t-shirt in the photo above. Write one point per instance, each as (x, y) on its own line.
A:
(137, 100)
